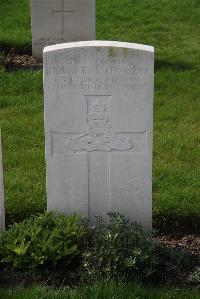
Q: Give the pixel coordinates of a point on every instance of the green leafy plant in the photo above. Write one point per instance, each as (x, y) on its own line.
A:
(58, 247)
(41, 241)
(118, 248)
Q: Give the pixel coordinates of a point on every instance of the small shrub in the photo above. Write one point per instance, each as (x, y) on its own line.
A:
(46, 245)
(123, 249)
(118, 248)
(194, 277)
(41, 241)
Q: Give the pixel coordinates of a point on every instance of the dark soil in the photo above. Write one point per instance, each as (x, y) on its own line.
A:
(190, 242)
(62, 274)
(10, 277)
(15, 62)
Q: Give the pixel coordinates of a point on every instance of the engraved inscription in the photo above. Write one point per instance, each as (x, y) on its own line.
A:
(79, 73)
(99, 135)
(42, 42)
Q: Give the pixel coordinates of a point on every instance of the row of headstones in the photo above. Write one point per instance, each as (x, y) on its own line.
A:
(98, 128)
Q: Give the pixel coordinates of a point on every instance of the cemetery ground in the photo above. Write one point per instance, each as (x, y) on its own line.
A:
(172, 28)
(103, 290)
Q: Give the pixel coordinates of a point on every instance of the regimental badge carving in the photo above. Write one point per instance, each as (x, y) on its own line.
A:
(99, 135)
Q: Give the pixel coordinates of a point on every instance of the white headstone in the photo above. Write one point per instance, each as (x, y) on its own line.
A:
(2, 212)
(59, 21)
(98, 127)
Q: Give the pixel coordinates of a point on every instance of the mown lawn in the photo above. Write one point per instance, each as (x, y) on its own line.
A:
(101, 291)
(172, 27)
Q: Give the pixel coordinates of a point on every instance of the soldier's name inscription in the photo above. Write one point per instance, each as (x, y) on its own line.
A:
(75, 73)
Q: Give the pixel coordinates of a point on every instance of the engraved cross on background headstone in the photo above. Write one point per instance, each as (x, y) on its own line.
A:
(62, 12)
(99, 142)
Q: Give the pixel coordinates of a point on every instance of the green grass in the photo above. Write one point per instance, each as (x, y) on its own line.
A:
(173, 28)
(100, 291)
(21, 117)
(176, 174)
(15, 24)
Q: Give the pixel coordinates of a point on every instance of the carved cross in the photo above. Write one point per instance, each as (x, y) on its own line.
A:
(62, 12)
(99, 143)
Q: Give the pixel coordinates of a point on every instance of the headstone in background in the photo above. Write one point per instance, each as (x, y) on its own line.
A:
(58, 21)
(98, 127)
(2, 211)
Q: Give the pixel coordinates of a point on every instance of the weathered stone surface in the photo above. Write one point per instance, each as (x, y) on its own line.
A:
(98, 127)
(2, 211)
(59, 21)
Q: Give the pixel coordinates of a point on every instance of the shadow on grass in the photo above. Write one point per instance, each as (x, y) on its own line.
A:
(171, 221)
(22, 49)
(163, 222)
(175, 66)
(26, 49)
(21, 215)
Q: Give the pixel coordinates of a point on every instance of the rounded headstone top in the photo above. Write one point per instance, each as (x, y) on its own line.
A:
(98, 43)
